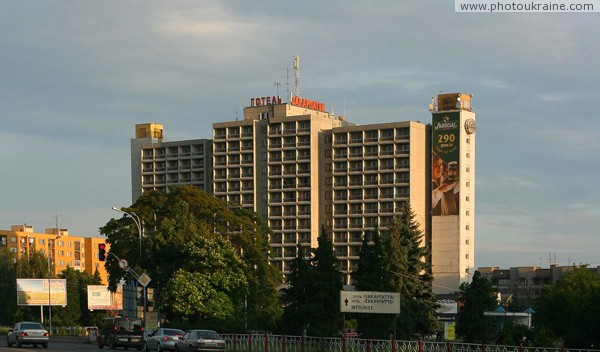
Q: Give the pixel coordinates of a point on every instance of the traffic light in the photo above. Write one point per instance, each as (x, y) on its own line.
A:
(102, 251)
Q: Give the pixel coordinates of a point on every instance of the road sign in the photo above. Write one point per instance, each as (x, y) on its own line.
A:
(123, 264)
(144, 279)
(370, 302)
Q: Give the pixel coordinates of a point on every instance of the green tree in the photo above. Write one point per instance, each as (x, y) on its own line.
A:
(406, 258)
(325, 285)
(171, 223)
(296, 316)
(371, 275)
(76, 312)
(478, 296)
(34, 266)
(8, 287)
(569, 309)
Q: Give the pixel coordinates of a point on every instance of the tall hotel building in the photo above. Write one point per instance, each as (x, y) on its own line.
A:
(300, 168)
(277, 162)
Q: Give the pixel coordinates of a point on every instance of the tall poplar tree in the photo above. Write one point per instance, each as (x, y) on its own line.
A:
(296, 316)
(478, 296)
(371, 275)
(406, 258)
(325, 286)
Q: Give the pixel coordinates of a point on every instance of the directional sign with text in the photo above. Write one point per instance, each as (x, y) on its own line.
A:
(369, 302)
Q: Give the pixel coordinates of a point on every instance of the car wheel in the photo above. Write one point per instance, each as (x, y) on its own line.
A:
(145, 348)
(100, 343)
(158, 347)
(45, 345)
(176, 348)
(113, 343)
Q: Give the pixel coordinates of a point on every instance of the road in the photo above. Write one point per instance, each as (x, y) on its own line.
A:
(57, 344)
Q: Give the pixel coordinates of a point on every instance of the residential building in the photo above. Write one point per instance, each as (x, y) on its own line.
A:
(79, 253)
(523, 284)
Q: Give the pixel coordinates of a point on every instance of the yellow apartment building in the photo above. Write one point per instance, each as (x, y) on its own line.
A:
(79, 253)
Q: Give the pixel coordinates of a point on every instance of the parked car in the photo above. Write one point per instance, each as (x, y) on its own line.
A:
(121, 332)
(200, 340)
(28, 333)
(162, 339)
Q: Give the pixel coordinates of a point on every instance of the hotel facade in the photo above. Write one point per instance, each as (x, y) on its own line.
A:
(300, 167)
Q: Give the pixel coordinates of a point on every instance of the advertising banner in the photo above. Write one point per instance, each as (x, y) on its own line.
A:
(445, 168)
(100, 298)
(37, 292)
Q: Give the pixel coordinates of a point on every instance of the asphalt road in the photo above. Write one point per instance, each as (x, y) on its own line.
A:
(57, 343)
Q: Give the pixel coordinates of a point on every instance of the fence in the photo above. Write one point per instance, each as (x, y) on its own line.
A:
(282, 343)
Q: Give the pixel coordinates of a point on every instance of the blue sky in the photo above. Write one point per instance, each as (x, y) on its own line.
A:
(76, 76)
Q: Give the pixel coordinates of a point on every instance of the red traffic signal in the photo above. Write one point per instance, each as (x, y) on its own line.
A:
(102, 251)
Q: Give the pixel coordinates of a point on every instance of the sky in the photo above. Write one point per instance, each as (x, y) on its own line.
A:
(76, 76)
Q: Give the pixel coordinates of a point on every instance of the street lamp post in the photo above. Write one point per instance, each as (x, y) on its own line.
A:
(50, 285)
(138, 224)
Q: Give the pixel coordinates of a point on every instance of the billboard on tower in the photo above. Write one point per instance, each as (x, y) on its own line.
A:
(445, 190)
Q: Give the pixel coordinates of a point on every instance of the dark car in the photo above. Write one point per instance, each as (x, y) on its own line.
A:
(200, 340)
(121, 332)
(27, 333)
(163, 339)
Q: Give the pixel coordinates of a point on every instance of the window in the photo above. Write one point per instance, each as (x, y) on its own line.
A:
(467, 227)
(13, 239)
(468, 183)
(467, 270)
(466, 240)
(467, 255)
(468, 212)
(467, 198)
(468, 155)
(468, 169)
(328, 153)
(468, 140)
(61, 243)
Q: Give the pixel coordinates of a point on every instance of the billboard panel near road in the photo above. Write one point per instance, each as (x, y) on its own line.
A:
(99, 298)
(37, 292)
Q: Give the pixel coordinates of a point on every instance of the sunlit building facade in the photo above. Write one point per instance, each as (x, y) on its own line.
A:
(65, 251)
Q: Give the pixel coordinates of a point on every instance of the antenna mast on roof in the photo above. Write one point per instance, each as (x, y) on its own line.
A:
(297, 72)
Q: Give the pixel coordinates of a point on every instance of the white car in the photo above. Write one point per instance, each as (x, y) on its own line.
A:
(200, 340)
(28, 333)
(162, 339)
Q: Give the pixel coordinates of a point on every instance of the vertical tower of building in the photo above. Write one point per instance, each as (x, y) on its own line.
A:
(452, 191)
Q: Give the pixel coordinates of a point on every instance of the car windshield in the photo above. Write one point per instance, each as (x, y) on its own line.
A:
(209, 335)
(172, 332)
(32, 326)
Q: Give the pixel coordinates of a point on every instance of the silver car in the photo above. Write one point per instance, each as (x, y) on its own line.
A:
(200, 340)
(162, 339)
(28, 333)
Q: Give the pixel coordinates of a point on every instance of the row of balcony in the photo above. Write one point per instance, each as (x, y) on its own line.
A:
(369, 140)
(152, 170)
(172, 181)
(159, 156)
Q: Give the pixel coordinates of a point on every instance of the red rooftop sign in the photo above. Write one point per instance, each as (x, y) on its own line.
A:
(309, 104)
